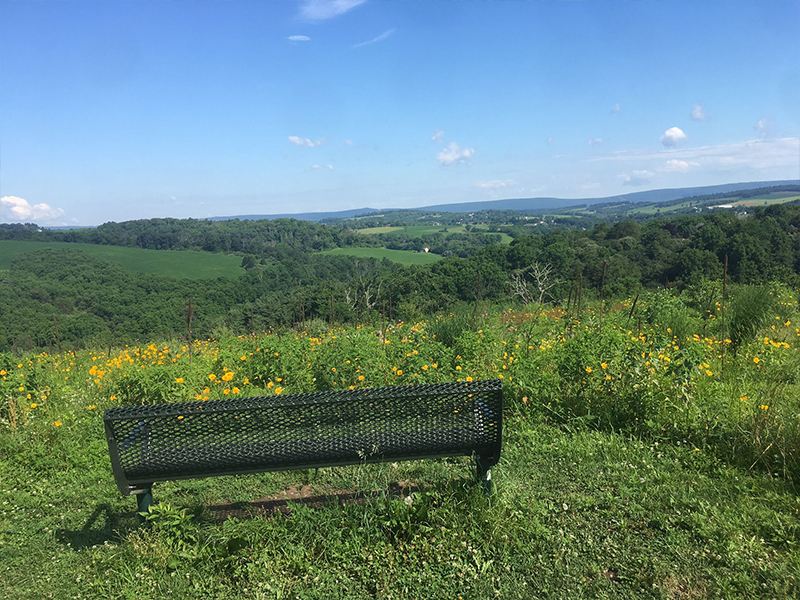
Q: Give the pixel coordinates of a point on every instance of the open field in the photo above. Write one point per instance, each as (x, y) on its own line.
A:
(420, 230)
(768, 199)
(632, 467)
(185, 264)
(404, 257)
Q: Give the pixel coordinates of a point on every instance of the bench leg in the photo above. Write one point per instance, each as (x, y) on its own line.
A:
(484, 474)
(144, 500)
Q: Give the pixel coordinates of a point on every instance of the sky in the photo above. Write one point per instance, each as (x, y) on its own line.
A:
(115, 110)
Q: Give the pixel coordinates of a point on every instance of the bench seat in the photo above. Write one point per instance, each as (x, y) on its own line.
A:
(319, 429)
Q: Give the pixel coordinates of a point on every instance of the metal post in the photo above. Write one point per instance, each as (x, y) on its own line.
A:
(144, 500)
(485, 474)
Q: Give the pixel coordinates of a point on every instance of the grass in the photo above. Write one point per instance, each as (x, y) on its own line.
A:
(762, 200)
(420, 230)
(404, 257)
(632, 467)
(186, 264)
(769, 199)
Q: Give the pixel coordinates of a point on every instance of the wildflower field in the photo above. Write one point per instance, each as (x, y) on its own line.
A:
(651, 450)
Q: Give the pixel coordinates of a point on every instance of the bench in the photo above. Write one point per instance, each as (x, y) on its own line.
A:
(301, 431)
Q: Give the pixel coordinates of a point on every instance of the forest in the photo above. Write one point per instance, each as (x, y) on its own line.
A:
(49, 298)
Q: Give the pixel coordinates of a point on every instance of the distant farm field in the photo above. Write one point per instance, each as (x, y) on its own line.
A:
(420, 230)
(775, 198)
(183, 264)
(404, 257)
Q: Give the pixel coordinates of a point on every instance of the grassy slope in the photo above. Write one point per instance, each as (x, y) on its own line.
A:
(168, 263)
(404, 257)
(579, 512)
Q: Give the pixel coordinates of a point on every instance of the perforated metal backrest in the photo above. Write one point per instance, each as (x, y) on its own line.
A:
(222, 437)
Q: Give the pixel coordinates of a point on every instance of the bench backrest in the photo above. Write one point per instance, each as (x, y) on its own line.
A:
(246, 435)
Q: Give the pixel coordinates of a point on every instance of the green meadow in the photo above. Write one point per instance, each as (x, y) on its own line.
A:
(637, 463)
(404, 257)
(182, 264)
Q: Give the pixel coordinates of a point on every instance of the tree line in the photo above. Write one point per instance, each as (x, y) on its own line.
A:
(88, 298)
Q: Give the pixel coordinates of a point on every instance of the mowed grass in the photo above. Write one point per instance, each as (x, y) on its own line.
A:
(182, 264)
(404, 257)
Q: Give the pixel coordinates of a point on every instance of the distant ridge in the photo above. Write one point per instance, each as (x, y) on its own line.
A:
(532, 204)
(314, 216)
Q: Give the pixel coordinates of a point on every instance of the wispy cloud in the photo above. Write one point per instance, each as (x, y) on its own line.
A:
(675, 165)
(494, 184)
(763, 128)
(348, 142)
(698, 113)
(437, 136)
(756, 154)
(595, 141)
(19, 210)
(454, 154)
(549, 141)
(319, 10)
(672, 136)
(637, 178)
(376, 39)
(298, 141)
(330, 167)
(616, 109)
(299, 38)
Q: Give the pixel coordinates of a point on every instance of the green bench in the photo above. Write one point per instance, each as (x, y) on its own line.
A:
(301, 431)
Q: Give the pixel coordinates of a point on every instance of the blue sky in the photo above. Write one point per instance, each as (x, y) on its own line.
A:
(115, 110)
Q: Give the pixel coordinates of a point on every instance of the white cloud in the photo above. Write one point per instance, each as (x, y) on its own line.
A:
(348, 142)
(437, 135)
(376, 39)
(18, 210)
(298, 141)
(322, 167)
(595, 141)
(672, 136)
(549, 140)
(763, 127)
(674, 165)
(637, 178)
(698, 113)
(585, 187)
(319, 10)
(494, 184)
(454, 154)
(754, 154)
(616, 108)
(299, 38)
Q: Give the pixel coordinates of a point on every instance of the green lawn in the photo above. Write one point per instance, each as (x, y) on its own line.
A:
(404, 257)
(186, 264)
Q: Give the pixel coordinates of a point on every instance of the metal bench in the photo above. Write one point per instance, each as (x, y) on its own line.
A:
(302, 431)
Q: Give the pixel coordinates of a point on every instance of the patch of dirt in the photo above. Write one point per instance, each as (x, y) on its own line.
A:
(678, 588)
(281, 503)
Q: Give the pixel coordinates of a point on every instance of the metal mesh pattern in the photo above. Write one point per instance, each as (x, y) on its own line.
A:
(198, 439)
